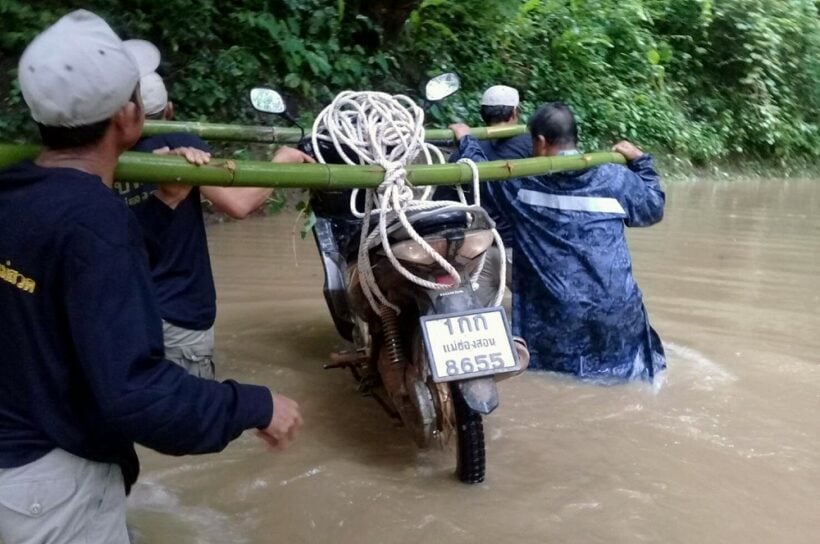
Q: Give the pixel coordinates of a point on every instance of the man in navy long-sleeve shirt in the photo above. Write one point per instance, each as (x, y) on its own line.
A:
(499, 108)
(575, 300)
(82, 374)
(171, 218)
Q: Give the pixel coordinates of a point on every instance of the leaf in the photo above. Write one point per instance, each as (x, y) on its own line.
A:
(276, 202)
(340, 10)
(292, 81)
(529, 6)
(442, 28)
(429, 3)
(381, 61)
(318, 63)
(310, 220)
(653, 56)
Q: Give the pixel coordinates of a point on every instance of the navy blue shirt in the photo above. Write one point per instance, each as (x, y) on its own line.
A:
(81, 350)
(501, 149)
(177, 244)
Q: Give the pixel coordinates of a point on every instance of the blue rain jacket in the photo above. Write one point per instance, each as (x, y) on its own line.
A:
(517, 147)
(574, 298)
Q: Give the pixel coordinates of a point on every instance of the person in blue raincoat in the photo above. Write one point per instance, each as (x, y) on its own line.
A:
(574, 298)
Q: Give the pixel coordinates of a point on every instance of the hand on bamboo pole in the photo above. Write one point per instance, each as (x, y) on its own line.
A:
(191, 154)
(460, 130)
(172, 194)
(628, 150)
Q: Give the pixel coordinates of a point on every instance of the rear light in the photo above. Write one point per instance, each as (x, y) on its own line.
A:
(411, 251)
(476, 243)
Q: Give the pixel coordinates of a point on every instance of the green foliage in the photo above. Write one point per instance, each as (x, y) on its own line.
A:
(305, 211)
(737, 77)
(215, 51)
(699, 78)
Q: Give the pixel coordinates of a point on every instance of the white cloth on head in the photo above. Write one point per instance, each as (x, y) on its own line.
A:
(77, 72)
(500, 95)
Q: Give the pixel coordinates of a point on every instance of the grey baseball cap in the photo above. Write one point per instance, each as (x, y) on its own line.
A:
(77, 72)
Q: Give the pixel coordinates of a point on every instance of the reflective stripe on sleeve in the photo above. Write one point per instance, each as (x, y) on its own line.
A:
(574, 203)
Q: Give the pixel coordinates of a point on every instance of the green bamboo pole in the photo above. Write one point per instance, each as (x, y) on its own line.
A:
(225, 132)
(481, 133)
(289, 135)
(150, 168)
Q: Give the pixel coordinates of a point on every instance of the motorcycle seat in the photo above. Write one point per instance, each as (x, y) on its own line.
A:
(428, 222)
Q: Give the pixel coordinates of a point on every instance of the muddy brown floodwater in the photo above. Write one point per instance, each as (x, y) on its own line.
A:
(726, 450)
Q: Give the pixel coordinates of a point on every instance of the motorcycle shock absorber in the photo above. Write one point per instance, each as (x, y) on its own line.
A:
(392, 338)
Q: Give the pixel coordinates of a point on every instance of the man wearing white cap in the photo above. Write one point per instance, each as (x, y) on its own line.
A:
(499, 107)
(171, 218)
(82, 375)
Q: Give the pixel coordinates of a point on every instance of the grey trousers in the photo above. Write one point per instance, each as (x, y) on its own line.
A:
(62, 499)
(192, 350)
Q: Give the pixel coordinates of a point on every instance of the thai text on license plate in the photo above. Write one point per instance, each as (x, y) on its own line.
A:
(468, 344)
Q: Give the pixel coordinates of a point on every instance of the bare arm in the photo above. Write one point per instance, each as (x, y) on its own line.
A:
(172, 194)
(240, 202)
(236, 202)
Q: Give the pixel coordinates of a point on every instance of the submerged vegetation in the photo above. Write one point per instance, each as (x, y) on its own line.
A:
(706, 80)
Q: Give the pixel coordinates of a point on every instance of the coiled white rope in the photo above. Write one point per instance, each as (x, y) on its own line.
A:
(388, 130)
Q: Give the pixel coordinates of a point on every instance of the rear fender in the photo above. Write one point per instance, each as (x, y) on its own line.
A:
(480, 394)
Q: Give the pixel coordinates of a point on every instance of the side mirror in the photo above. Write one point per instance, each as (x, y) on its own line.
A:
(442, 86)
(267, 100)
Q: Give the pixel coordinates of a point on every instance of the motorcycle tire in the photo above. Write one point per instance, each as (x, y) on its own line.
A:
(470, 455)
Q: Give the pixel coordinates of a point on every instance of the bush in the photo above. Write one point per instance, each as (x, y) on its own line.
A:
(699, 78)
(685, 76)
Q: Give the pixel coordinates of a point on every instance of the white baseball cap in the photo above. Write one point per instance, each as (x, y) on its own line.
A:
(500, 95)
(77, 72)
(145, 53)
(152, 88)
(153, 93)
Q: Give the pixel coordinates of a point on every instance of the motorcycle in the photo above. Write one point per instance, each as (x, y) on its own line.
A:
(433, 365)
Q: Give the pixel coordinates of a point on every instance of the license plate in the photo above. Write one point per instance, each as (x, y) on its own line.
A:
(469, 344)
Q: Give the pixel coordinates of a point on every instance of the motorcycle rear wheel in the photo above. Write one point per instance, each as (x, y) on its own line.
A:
(470, 452)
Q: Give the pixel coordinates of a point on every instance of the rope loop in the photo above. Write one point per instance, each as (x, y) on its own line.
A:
(388, 131)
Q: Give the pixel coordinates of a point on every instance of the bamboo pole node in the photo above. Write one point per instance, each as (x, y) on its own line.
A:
(230, 166)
